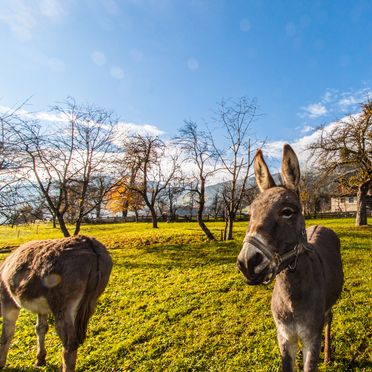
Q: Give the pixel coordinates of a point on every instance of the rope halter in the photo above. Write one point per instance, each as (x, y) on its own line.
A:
(279, 262)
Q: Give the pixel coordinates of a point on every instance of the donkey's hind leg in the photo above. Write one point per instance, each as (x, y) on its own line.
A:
(67, 332)
(41, 330)
(327, 338)
(10, 312)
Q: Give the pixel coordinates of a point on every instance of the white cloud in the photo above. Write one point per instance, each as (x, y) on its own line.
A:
(350, 101)
(328, 96)
(193, 64)
(39, 115)
(47, 116)
(98, 58)
(346, 102)
(306, 128)
(19, 17)
(116, 72)
(314, 110)
(334, 103)
(23, 17)
(52, 9)
(125, 129)
(273, 150)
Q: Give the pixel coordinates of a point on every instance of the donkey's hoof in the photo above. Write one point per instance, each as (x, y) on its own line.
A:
(40, 363)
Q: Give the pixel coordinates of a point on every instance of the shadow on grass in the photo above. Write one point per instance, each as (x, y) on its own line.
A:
(352, 365)
(182, 256)
(49, 368)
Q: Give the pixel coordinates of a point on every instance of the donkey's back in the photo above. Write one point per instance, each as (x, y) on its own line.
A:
(64, 277)
(326, 245)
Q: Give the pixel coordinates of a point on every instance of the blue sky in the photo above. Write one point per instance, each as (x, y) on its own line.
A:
(158, 62)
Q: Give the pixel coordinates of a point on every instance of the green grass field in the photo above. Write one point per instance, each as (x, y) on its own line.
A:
(176, 303)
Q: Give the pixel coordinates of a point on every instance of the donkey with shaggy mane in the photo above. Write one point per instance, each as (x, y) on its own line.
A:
(306, 264)
(63, 277)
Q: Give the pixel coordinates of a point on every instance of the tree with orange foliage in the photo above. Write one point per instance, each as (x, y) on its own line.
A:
(123, 199)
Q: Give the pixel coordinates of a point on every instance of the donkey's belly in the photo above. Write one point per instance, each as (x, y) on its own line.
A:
(37, 305)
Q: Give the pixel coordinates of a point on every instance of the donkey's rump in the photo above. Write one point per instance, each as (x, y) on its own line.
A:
(51, 273)
(64, 277)
(327, 246)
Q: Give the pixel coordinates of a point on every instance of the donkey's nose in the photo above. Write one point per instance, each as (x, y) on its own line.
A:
(250, 263)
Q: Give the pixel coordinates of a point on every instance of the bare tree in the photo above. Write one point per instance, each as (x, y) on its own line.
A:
(12, 188)
(200, 154)
(98, 191)
(146, 154)
(169, 198)
(235, 117)
(345, 149)
(315, 192)
(216, 207)
(61, 158)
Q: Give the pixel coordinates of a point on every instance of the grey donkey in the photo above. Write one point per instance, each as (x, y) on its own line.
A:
(63, 277)
(306, 264)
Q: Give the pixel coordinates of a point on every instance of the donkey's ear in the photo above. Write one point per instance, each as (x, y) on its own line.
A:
(261, 171)
(290, 168)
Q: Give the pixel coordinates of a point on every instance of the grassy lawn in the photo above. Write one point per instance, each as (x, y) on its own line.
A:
(176, 303)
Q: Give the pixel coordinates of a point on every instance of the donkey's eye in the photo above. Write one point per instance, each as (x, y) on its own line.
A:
(287, 213)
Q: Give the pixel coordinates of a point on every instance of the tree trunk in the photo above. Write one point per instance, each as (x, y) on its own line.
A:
(153, 217)
(230, 226)
(199, 216)
(124, 211)
(361, 215)
(229, 234)
(136, 215)
(77, 227)
(225, 230)
(62, 226)
(203, 226)
(98, 211)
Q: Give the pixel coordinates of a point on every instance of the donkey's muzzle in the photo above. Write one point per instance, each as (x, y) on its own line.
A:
(252, 264)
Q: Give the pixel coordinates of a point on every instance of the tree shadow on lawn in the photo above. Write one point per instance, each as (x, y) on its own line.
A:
(181, 256)
(352, 365)
(49, 368)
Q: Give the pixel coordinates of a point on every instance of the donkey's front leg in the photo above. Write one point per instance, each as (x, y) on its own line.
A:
(311, 351)
(288, 350)
(41, 330)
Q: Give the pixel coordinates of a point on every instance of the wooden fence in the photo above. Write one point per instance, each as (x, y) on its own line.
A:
(243, 217)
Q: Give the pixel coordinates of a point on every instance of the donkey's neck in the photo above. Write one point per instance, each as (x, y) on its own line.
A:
(292, 287)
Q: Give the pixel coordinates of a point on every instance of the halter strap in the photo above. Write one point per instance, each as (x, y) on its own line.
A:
(281, 262)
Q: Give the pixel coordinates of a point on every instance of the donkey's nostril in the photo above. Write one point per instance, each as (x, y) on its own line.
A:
(253, 262)
(240, 265)
(257, 258)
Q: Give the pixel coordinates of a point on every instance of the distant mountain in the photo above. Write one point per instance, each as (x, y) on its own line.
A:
(212, 190)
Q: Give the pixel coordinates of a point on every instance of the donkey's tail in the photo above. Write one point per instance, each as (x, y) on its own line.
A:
(96, 283)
